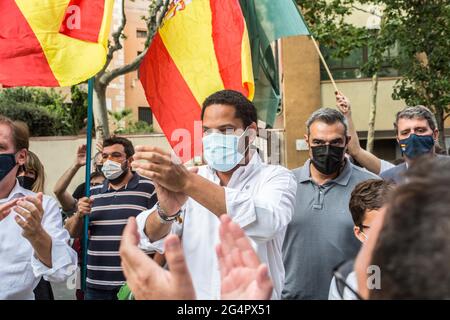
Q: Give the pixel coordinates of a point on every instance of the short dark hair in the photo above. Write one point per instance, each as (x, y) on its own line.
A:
(371, 194)
(127, 144)
(328, 116)
(416, 112)
(244, 108)
(413, 248)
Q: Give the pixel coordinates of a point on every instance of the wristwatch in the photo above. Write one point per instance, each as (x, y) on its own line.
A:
(164, 218)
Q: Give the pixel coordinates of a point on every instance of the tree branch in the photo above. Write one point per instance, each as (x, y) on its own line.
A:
(366, 11)
(447, 116)
(153, 23)
(117, 45)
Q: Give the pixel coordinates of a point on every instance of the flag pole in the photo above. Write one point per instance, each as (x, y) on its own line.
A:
(324, 63)
(90, 122)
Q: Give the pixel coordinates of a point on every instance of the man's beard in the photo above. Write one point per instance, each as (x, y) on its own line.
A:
(120, 178)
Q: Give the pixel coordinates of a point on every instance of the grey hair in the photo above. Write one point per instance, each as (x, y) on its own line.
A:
(327, 115)
(416, 112)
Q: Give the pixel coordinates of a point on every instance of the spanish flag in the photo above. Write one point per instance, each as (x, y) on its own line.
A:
(52, 43)
(202, 47)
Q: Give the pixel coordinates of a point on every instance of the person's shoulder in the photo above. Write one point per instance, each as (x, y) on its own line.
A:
(362, 174)
(49, 203)
(394, 171)
(96, 189)
(277, 169)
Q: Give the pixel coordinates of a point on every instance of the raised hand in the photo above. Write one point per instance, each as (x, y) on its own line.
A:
(343, 104)
(242, 274)
(80, 159)
(146, 279)
(29, 216)
(169, 176)
(162, 167)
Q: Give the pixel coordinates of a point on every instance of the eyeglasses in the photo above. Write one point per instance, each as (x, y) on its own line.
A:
(342, 282)
(115, 156)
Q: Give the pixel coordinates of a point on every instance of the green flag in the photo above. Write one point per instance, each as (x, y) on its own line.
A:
(267, 21)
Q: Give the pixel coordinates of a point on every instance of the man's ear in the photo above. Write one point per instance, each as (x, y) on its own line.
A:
(22, 156)
(436, 135)
(357, 232)
(130, 160)
(306, 139)
(348, 138)
(252, 132)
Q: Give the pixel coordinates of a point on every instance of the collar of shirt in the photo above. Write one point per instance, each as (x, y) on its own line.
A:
(16, 192)
(342, 179)
(132, 184)
(242, 172)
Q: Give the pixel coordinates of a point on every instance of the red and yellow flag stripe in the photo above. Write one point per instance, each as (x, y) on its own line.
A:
(36, 49)
(202, 47)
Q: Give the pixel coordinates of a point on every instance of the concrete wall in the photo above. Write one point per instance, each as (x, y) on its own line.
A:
(58, 154)
(359, 93)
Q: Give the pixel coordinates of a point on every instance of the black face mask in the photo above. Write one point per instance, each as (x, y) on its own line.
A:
(7, 163)
(120, 178)
(327, 159)
(26, 182)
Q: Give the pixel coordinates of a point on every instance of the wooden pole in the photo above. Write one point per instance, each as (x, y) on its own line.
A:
(324, 63)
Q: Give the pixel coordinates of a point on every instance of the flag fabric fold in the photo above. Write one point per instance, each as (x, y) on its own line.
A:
(52, 43)
(268, 21)
(201, 47)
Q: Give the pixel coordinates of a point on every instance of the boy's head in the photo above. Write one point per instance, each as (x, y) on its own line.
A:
(366, 200)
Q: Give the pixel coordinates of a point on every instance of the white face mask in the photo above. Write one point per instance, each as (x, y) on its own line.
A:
(112, 170)
(221, 151)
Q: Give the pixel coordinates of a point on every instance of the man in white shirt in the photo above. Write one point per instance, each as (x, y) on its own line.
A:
(33, 242)
(258, 197)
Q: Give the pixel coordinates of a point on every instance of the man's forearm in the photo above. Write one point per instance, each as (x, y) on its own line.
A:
(63, 183)
(207, 193)
(74, 225)
(369, 161)
(42, 245)
(364, 157)
(154, 229)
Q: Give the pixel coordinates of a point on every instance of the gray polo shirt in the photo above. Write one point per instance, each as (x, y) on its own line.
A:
(320, 235)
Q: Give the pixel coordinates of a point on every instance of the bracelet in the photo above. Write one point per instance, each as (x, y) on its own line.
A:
(164, 218)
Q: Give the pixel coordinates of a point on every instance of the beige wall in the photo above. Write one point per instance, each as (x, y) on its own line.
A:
(359, 93)
(58, 154)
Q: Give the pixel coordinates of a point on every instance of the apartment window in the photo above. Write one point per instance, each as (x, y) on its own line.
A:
(145, 114)
(350, 66)
(141, 33)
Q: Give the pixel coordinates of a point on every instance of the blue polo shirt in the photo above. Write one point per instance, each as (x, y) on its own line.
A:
(110, 211)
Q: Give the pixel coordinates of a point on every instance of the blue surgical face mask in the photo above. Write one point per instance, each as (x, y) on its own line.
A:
(221, 151)
(7, 163)
(415, 146)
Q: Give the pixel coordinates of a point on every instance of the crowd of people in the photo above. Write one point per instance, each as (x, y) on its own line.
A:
(346, 225)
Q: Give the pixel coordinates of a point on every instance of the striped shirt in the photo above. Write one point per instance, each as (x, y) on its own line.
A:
(110, 211)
